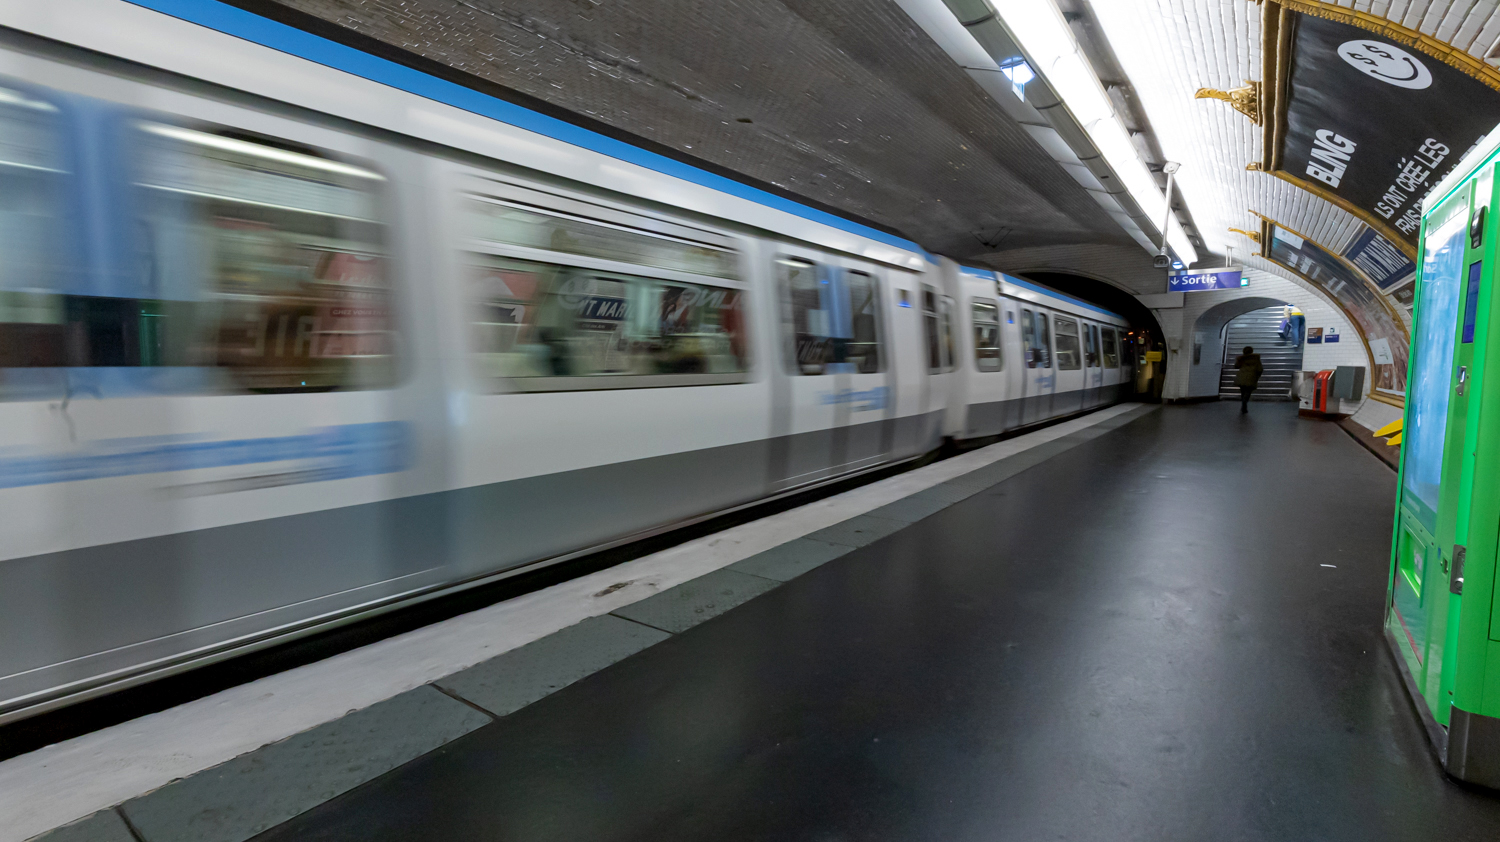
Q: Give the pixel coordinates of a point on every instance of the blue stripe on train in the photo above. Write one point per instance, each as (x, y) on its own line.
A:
(293, 41)
(349, 450)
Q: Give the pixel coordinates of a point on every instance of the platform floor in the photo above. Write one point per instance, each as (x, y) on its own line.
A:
(1137, 639)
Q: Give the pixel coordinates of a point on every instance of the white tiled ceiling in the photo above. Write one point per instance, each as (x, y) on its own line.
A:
(1470, 25)
(1170, 49)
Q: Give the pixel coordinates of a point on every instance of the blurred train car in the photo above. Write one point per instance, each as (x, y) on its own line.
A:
(282, 345)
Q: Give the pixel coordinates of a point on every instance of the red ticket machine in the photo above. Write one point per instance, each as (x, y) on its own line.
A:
(1323, 392)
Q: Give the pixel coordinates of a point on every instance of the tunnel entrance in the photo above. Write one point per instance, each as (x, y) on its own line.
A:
(1276, 333)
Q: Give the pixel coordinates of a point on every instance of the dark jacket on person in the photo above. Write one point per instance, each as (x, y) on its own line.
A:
(1249, 370)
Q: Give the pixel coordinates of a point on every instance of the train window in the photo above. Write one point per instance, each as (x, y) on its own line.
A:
(946, 321)
(567, 303)
(264, 264)
(554, 327)
(832, 316)
(494, 220)
(1038, 339)
(986, 318)
(1091, 345)
(1111, 350)
(1068, 356)
(33, 178)
(256, 266)
(864, 334)
(808, 316)
(930, 331)
(1028, 338)
(1044, 340)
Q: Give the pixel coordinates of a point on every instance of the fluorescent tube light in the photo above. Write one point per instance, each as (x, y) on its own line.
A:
(270, 153)
(1043, 35)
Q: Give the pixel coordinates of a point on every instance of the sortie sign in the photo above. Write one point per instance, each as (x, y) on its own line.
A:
(1201, 279)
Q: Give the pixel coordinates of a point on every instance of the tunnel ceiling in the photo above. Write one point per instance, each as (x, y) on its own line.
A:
(845, 103)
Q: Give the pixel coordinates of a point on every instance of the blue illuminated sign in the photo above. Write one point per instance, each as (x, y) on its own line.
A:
(1202, 279)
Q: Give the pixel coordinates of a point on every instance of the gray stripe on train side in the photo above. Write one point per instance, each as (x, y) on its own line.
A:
(229, 803)
(115, 607)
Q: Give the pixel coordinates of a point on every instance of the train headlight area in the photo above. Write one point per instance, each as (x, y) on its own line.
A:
(384, 454)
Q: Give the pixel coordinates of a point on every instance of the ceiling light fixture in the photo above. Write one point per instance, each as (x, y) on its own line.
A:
(1019, 73)
(1039, 29)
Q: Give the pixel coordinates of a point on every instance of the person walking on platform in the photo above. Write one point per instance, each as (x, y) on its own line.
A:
(1248, 376)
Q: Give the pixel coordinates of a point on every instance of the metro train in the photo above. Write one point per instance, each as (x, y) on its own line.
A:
(289, 336)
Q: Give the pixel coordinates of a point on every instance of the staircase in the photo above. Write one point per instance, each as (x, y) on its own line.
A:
(1260, 330)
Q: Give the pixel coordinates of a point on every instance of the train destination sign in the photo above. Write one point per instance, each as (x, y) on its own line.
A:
(1370, 123)
(1201, 279)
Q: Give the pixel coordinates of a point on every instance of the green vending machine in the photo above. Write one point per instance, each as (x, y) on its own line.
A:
(1442, 619)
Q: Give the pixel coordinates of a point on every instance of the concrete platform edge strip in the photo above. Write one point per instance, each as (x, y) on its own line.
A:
(237, 799)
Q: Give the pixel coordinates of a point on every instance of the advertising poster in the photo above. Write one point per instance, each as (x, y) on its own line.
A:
(1382, 262)
(1342, 283)
(1375, 123)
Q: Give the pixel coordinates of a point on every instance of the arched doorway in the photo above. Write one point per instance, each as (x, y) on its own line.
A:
(1257, 320)
(1277, 334)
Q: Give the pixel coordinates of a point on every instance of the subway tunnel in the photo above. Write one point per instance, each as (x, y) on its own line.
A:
(852, 420)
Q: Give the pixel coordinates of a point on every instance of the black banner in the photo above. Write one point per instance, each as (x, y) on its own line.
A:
(1377, 123)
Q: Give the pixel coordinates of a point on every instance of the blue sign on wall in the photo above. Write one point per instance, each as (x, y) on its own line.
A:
(1206, 279)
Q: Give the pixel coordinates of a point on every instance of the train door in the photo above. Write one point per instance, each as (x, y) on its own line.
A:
(839, 394)
(985, 371)
(1093, 373)
(806, 445)
(1109, 353)
(906, 361)
(865, 382)
(1014, 351)
(952, 324)
(225, 351)
(1068, 397)
(937, 334)
(1040, 381)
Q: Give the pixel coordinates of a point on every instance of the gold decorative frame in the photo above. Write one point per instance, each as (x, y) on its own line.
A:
(1380, 225)
(1266, 224)
(1246, 100)
(1265, 251)
(1440, 50)
(1266, 234)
